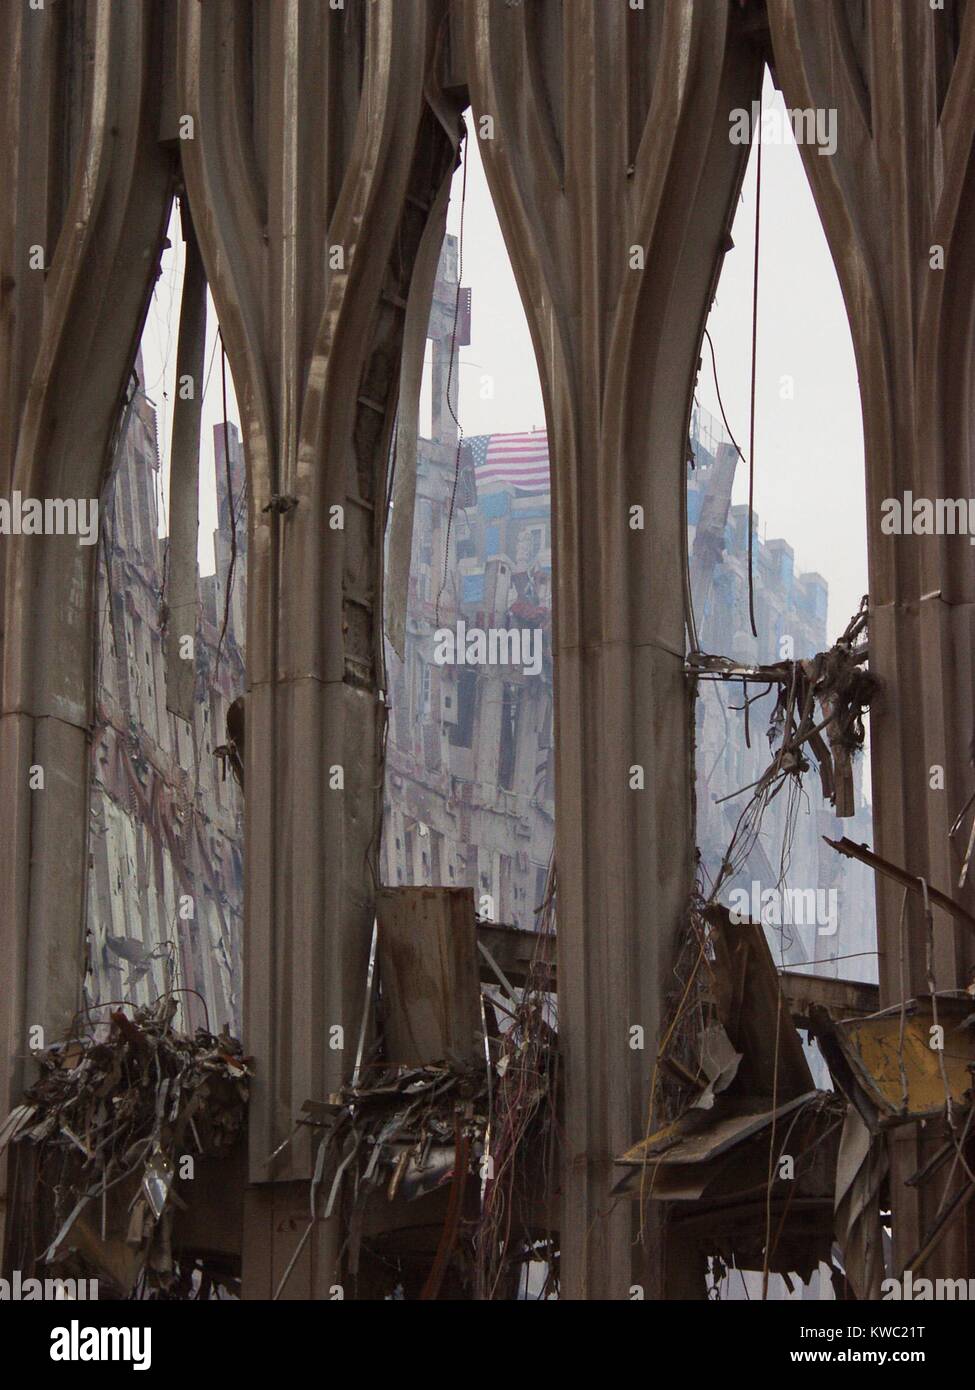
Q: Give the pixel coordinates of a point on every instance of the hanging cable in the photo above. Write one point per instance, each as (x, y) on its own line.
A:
(717, 392)
(751, 428)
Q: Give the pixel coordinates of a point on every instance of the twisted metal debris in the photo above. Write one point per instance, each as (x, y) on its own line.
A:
(402, 1125)
(839, 681)
(103, 1139)
(405, 1132)
(524, 1138)
(485, 1137)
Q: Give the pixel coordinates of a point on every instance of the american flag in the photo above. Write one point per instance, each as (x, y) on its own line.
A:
(520, 460)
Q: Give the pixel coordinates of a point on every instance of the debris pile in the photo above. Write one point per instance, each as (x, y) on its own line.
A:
(746, 1134)
(106, 1134)
(796, 1174)
(404, 1133)
(444, 1167)
(400, 1129)
(521, 1190)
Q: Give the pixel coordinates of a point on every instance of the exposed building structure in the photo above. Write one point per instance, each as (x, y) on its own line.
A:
(312, 149)
(165, 882)
(830, 919)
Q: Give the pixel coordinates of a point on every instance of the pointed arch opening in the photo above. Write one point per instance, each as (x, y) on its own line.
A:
(165, 860)
(789, 437)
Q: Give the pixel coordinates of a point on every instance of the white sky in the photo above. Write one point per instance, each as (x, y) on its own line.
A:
(159, 341)
(809, 450)
(809, 465)
(501, 346)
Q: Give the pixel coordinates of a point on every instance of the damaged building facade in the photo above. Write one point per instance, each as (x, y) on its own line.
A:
(397, 1114)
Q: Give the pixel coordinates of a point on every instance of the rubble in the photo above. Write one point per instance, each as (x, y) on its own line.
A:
(736, 1096)
(747, 1136)
(401, 1127)
(106, 1135)
(468, 1140)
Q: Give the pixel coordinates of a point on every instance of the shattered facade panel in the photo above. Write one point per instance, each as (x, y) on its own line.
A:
(165, 882)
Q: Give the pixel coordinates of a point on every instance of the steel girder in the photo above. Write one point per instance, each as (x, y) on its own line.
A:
(615, 181)
(319, 166)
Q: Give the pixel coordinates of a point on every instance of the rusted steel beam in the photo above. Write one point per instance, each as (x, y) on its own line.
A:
(428, 964)
(841, 998)
(909, 881)
(515, 951)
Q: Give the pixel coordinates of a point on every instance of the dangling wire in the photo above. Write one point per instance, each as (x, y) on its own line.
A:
(717, 391)
(751, 428)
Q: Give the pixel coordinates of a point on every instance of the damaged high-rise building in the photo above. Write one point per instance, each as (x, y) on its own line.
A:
(165, 868)
(470, 754)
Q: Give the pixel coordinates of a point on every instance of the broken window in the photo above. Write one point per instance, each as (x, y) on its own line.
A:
(462, 732)
(508, 751)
